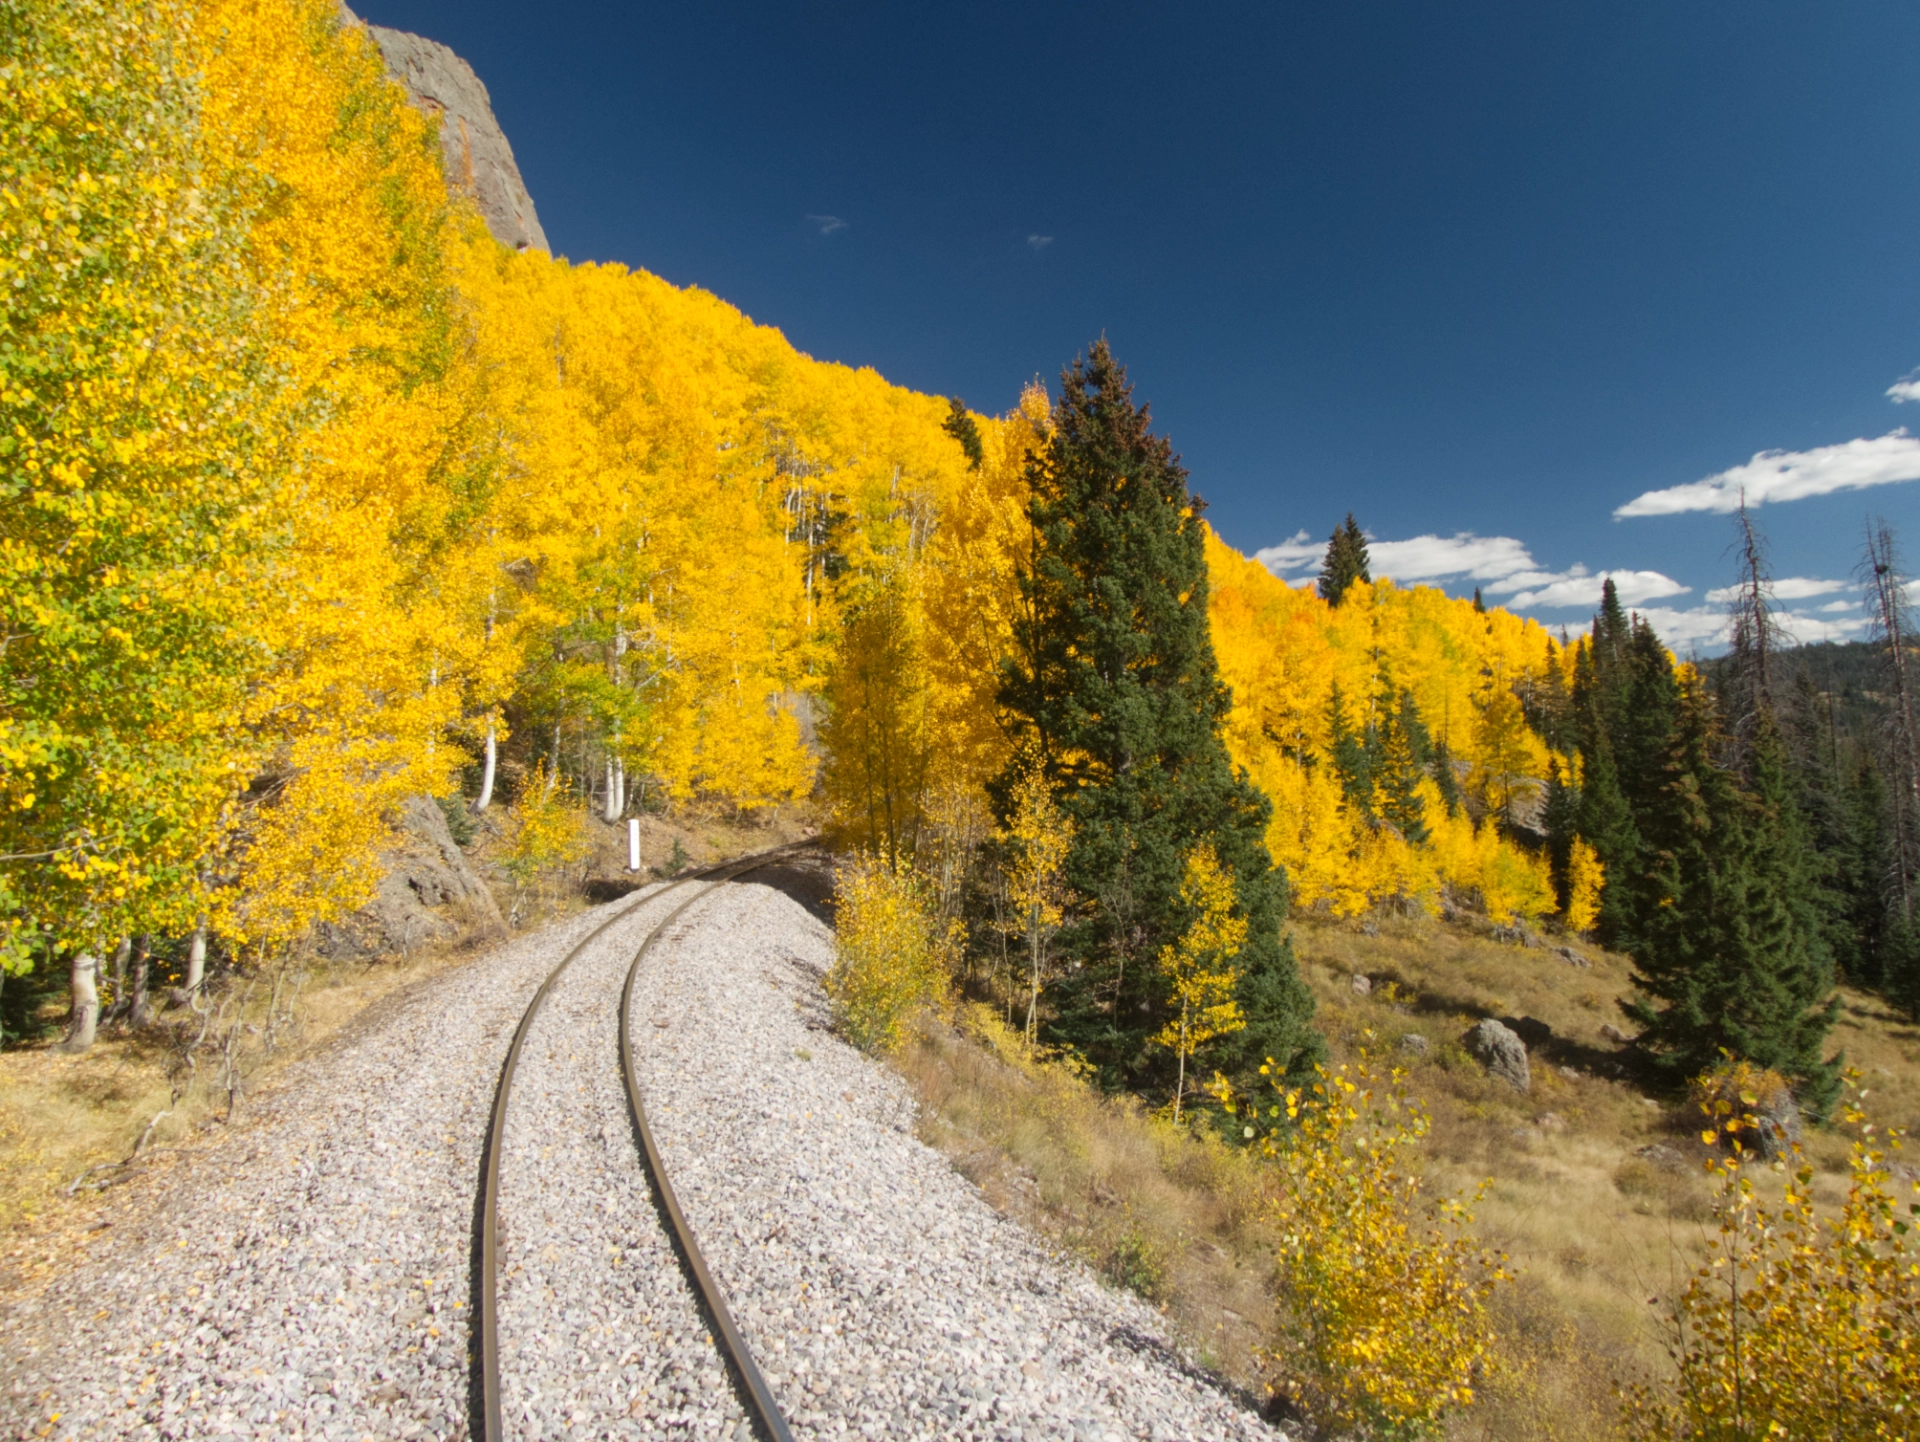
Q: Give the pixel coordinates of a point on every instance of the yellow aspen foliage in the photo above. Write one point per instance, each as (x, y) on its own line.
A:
(1586, 876)
(141, 418)
(1038, 836)
(1386, 652)
(1200, 965)
(1804, 1320)
(890, 958)
(1385, 1327)
(546, 832)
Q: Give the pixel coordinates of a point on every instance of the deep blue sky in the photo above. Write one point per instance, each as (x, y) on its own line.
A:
(1467, 267)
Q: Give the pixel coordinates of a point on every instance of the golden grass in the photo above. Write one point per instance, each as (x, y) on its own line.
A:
(1171, 1215)
(1594, 1228)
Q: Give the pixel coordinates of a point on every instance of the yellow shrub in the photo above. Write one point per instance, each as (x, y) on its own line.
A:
(1586, 875)
(546, 833)
(1797, 1326)
(1384, 1325)
(889, 955)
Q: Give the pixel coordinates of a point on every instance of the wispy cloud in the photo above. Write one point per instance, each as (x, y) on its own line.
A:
(1907, 388)
(1039, 242)
(827, 224)
(1787, 588)
(1790, 476)
(1501, 565)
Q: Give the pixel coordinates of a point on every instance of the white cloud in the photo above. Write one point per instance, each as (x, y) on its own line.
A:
(1907, 388)
(1789, 476)
(1425, 558)
(1039, 242)
(828, 224)
(1577, 588)
(1501, 565)
(1298, 552)
(1836, 606)
(1787, 588)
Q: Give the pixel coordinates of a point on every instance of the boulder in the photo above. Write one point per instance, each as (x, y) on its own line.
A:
(1572, 957)
(1500, 1050)
(1613, 1034)
(429, 894)
(1414, 1044)
(1362, 986)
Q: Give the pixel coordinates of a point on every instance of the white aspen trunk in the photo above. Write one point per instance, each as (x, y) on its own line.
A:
(612, 812)
(120, 955)
(633, 843)
(620, 780)
(197, 957)
(487, 770)
(83, 978)
(138, 1013)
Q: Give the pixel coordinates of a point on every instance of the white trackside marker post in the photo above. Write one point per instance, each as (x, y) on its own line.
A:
(633, 843)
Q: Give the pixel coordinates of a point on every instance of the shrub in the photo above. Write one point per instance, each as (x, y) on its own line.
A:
(1797, 1325)
(545, 833)
(1384, 1323)
(889, 956)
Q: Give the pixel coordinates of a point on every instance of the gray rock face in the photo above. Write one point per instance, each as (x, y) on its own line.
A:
(429, 894)
(1501, 1051)
(479, 160)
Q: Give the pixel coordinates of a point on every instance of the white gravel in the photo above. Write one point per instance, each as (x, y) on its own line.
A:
(881, 1293)
(310, 1279)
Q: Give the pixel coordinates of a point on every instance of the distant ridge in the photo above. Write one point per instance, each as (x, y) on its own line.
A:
(479, 160)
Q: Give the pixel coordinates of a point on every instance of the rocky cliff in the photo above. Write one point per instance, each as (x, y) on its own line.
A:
(479, 160)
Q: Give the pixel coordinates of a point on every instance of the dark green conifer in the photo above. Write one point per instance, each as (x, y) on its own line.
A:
(1353, 755)
(1402, 755)
(1561, 818)
(1114, 678)
(961, 425)
(1346, 561)
(1726, 949)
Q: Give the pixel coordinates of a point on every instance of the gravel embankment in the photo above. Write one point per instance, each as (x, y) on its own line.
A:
(310, 1279)
(881, 1293)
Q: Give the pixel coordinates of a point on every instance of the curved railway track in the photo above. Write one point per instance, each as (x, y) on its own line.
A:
(754, 1394)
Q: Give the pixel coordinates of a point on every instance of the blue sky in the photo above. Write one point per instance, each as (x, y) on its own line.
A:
(1527, 288)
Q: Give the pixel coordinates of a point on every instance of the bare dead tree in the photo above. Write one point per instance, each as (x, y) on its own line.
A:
(1754, 637)
(1893, 628)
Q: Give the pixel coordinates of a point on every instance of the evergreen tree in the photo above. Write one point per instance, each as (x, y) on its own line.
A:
(1726, 950)
(1562, 820)
(1346, 561)
(1400, 763)
(961, 425)
(1114, 680)
(1352, 754)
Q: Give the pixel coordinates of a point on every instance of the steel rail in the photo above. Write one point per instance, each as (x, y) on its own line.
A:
(761, 1406)
(486, 1378)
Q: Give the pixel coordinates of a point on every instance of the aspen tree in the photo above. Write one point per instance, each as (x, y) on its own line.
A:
(1199, 965)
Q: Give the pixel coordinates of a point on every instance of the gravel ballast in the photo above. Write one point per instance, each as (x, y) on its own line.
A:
(310, 1277)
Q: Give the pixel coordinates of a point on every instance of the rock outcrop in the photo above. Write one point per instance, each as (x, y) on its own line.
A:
(479, 160)
(430, 894)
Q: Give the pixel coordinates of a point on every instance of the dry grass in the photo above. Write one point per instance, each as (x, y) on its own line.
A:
(1173, 1216)
(1595, 1228)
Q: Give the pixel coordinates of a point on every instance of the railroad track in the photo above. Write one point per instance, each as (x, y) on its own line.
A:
(750, 1386)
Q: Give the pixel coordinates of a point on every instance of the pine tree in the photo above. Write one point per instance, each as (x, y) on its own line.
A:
(1114, 681)
(1561, 818)
(961, 425)
(1353, 754)
(1402, 753)
(1726, 949)
(1346, 561)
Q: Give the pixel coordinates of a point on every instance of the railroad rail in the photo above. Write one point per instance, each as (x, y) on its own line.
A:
(755, 1395)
